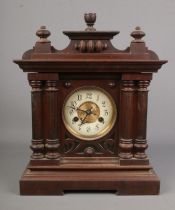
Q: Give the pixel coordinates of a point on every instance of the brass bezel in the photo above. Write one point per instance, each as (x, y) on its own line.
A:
(100, 134)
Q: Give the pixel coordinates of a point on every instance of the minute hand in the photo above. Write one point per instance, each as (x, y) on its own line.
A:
(77, 109)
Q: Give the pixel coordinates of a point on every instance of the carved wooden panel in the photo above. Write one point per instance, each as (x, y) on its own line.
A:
(73, 146)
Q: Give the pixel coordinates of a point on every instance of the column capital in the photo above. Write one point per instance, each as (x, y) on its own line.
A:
(36, 85)
(128, 85)
(143, 85)
(51, 85)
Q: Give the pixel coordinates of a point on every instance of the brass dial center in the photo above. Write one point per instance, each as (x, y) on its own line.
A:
(89, 111)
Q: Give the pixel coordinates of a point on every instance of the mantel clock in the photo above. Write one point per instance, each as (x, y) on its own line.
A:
(89, 111)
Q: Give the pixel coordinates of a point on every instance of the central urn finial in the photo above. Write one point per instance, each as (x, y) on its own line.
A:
(90, 19)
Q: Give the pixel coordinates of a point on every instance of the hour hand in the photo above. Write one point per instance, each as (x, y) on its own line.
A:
(72, 107)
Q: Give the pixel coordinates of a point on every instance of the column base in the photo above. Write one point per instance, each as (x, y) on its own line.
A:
(123, 181)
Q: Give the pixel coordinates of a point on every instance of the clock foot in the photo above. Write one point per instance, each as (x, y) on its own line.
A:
(139, 188)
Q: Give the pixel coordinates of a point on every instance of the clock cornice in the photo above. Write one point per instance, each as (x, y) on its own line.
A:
(89, 65)
(89, 50)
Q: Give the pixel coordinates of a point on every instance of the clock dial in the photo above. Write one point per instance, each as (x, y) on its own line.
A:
(89, 113)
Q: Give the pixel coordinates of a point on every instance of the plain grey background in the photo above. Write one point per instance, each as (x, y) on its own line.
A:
(19, 20)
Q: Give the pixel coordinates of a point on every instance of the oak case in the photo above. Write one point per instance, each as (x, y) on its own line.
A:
(117, 161)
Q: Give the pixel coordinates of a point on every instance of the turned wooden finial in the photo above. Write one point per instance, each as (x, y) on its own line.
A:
(137, 34)
(43, 45)
(43, 34)
(90, 19)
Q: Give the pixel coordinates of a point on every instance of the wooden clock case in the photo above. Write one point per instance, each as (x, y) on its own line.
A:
(117, 161)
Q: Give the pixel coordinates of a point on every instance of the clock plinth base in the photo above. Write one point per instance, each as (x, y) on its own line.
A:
(123, 181)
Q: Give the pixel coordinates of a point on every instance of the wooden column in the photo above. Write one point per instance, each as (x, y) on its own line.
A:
(140, 144)
(127, 110)
(52, 142)
(37, 145)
